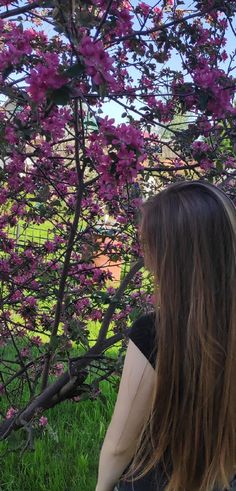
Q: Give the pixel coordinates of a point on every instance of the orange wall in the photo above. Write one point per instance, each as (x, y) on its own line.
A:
(103, 262)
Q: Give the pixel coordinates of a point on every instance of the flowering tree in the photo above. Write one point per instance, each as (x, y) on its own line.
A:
(64, 161)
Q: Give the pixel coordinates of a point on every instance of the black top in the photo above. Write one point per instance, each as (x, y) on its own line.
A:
(143, 334)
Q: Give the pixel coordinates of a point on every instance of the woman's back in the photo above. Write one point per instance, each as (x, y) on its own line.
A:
(188, 234)
(143, 334)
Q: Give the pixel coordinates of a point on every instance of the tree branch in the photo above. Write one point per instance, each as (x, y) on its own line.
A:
(21, 10)
(68, 252)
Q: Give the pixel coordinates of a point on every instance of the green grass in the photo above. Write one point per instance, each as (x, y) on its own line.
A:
(66, 454)
(69, 464)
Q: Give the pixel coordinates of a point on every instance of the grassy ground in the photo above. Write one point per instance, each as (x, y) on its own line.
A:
(69, 460)
(66, 454)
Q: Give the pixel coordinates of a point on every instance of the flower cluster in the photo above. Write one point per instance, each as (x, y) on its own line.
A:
(99, 64)
(202, 151)
(55, 123)
(11, 411)
(45, 76)
(216, 89)
(43, 421)
(200, 147)
(118, 152)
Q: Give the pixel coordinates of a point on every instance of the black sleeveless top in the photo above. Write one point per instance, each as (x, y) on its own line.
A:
(143, 334)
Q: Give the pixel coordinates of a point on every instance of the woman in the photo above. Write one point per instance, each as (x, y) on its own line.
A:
(174, 422)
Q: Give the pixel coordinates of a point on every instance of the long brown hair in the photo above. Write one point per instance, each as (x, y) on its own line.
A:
(188, 235)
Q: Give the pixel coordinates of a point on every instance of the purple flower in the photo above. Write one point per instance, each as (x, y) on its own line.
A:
(98, 63)
(11, 411)
(2, 389)
(43, 421)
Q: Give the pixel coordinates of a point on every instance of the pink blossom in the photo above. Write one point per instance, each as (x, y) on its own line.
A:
(158, 14)
(21, 279)
(45, 76)
(76, 398)
(56, 122)
(144, 8)
(206, 76)
(10, 135)
(206, 164)
(136, 202)
(204, 125)
(17, 296)
(134, 294)
(82, 303)
(97, 274)
(96, 315)
(128, 135)
(31, 301)
(16, 259)
(18, 208)
(17, 44)
(111, 290)
(224, 55)
(230, 162)
(58, 239)
(3, 196)
(11, 411)
(123, 20)
(50, 246)
(36, 340)
(34, 285)
(58, 369)
(43, 421)
(25, 352)
(4, 266)
(152, 101)
(24, 115)
(200, 147)
(128, 143)
(29, 254)
(98, 63)
(121, 219)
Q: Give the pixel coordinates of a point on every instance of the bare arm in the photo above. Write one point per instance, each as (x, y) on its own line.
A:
(132, 408)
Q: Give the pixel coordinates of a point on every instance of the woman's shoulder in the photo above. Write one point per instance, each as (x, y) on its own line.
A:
(144, 320)
(143, 333)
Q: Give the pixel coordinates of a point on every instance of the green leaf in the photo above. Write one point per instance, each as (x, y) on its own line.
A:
(219, 165)
(85, 396)
(103, 399)
(61, 96)
(17, 439)
(87, 19)
(55, 342)
(91, 123)
(102, 90)
(49, 4)
(74, 70)
(52, 433)
(203, 98)
(134, 314)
